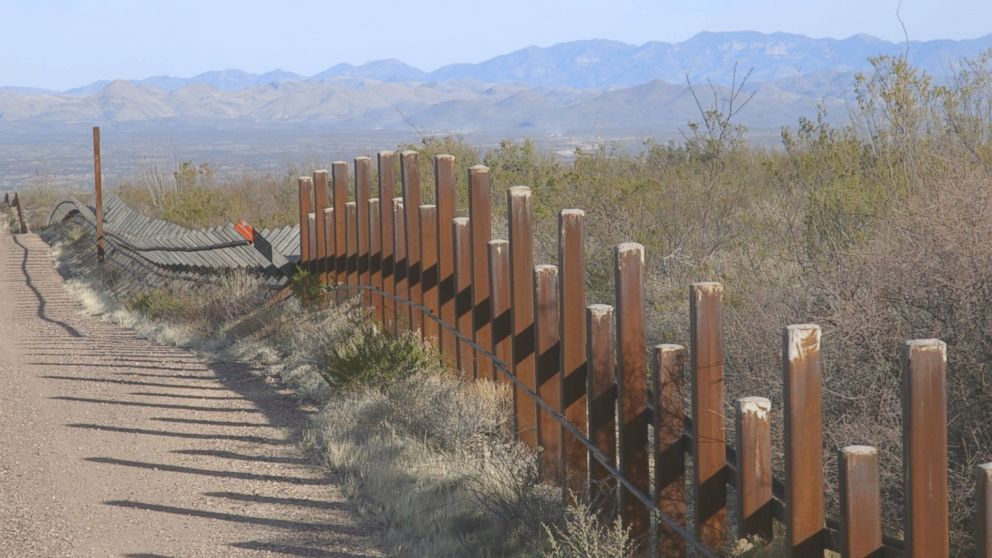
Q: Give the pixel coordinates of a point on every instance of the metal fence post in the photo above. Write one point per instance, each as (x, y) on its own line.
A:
(98, 188)
(669, 459)
(428, 273)
(480, 217)
(462, 250)
(754, 467)
(410, 180)
(499, 283)
(803, 440)
(520, 216)
(444, 198)
(572, 290)
(632, 384)
(402, 316)
(363, 191)
(339, 183)
(375, 257)
(306, 196)
(319, 204)
(387, 181)
(351, 268)
(547, 327)
(924, 443)
(602, 397)
(860, 502)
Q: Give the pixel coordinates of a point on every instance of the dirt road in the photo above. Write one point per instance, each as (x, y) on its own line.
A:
(111, 445)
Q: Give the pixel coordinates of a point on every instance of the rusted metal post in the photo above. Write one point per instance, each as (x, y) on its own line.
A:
(709, 438)
(328, 244)
(499, 287)
(983, 517)
(860, 502)
(339, 183)
(547, 328)
(572, 287)
(306, 197)
(632, 384)
(480, 215)
(444, 198)
(669, 459)
(462, 249)
(351, 269)
(387, 181)
(312, 235)
(363, 191)
(754, 467)
(520, 214)
(428, 274)
(410, 179)
(375, 257)
(602, 396)
(803, 440)
(924, 447)
(402, 316)
(98, 188)
(319, 204)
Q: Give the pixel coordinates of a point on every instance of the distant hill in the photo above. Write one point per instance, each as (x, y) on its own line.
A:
(587, 86)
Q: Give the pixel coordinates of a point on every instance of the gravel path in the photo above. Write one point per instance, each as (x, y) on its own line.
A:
(112, 445)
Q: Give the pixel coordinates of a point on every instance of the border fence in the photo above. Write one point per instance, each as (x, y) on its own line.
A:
(604, 410)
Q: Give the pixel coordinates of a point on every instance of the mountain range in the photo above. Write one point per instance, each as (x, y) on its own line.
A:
(575, 86)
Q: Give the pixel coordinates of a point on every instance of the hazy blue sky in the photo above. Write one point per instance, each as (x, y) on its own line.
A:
(65, 43)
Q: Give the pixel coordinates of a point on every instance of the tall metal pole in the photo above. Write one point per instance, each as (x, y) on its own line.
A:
(98, 186)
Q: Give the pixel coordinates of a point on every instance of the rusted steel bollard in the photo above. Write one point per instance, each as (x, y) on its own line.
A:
(375, 257)
(402, 316)
(339, 183)
(546, 326)
(363, 191)
(669, 459)
(98, 190)
(602, 395)
(444, 198)
(924, 443)
(351, 267)
(632, 384)
(803, 440)
(499, 284)
(520, 214)
(480, 220)
(572, 291)
(860, 502)
(319, 204)
(754, 467)
(410, 180)
(708, 439)
(462, 248)
(428, 274)
(306, 195)
(387, 180)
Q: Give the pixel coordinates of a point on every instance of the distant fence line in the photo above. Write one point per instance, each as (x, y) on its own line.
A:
(575, 368)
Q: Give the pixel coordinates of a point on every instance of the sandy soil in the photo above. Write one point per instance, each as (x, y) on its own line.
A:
(112, 445)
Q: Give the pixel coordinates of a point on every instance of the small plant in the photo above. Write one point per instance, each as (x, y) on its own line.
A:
(156, 304)
(583, 535)
(306, 286)
(368, 358)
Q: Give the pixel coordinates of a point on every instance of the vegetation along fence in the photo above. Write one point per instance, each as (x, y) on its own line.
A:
(604, 410)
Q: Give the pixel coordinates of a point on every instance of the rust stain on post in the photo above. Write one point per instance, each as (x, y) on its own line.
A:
(410, 179)
(754, 467)
(480, 215)
(522, 303)
(98, 190)
(632, 385)
(924, 443)
(375, 256)
(402, 316)
(709, 438)
(499, 283)
(339, 183)
(444, 198)
(983, 517)
(306, 197)
(462, 249)
(669, 459)
(860, 502)
(803, 440)
(572, 290)
(319, 204)
(549, 386)
(428, 275)
(602, 396)
(363, 191)
(387, 181)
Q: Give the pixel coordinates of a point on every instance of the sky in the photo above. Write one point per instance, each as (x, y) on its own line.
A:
(59, 44)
